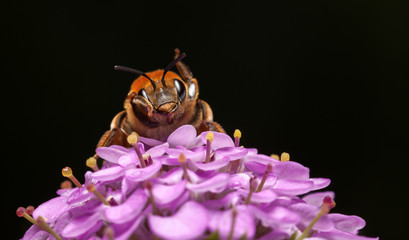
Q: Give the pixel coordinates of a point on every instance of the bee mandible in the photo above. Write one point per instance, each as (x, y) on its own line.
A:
(158, 103)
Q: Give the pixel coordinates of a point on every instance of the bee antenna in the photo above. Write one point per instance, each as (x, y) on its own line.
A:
(172, 64)
(135, 71)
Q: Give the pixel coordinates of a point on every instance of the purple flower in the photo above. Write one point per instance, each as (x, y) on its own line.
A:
(193, 186)
(189, 222)
(237, 222)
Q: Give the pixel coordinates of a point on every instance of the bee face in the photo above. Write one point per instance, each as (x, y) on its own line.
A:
(157, 96)
(158, 103)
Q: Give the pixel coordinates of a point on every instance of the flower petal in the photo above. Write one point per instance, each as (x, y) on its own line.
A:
(158, 151)
(276, 217)
(291, 170)
(193, 156)
(51, 209)
(214, 165)
(167, 193)
(175, 175)
(184, 136)
(320, 183)
(142, 174)
(82, 225)
(238, 180)
(230, 199)
(128, 210)
(215, 184)
(265, 196)
(244, 224)
(220, 140)
(316, 199)
(189, 222)
(125, 230)
(292, 187)
(347, 223)
(108, 174)
(231, 153)
(339, 235)
(111, 154)
(308, 213)
(149, 141)
(261, 158)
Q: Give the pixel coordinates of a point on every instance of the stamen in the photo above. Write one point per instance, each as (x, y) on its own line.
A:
(275, 156)
(109, 232)
(30, 210)
(285, 157)
(209, 140)
(67, 172)
(133, 140)
(148, 185)
(237, 136)
(92, 163)
(182, 160)
(269, 169)
(253, 186)
(21, 212)
(233, 224)
(44, 225)
(66, 184)
(91, 188)
(327, 205)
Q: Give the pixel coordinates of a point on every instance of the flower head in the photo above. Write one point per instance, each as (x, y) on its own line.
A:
(191, 186)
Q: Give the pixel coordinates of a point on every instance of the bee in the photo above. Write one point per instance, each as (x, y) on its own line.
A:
(158, 103)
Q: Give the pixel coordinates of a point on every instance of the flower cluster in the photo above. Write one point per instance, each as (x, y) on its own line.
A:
(191, 187)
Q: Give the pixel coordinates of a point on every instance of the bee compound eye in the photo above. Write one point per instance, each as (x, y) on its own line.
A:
(143, 93)
(181, 90)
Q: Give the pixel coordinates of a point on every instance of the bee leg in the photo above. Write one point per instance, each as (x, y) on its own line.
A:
(210, 126)
(116, 135)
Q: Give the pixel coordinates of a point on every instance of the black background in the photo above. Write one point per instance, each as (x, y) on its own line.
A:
(326, 81)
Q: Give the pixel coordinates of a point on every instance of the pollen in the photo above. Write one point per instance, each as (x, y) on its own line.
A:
(92, 163)
(133, 138)
(67, 172)
(237, 133)
(210, 136)
(22, 212)
(285, 157)
(237, 136)
(182, 158)
(66, 184)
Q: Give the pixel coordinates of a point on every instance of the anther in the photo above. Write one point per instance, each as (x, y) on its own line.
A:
(133, 140)
(253, 186)
(233, 224)
(285, 157)
(275, 156)
(92, 163)
(148, 185)
(29, 210)
(209, 140)
(237, 136)
(21, 212)
(66, 184)
(67, 172)
(327, 205)
(44, 225)
(269, 169)
(91, 188)
(182, 160)
(109, 233)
